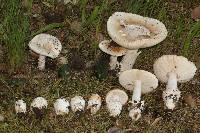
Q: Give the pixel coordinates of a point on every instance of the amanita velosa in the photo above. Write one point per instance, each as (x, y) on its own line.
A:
(128, 32)
(131, 32)
(46, 46)
(171, 69)
(140, 82)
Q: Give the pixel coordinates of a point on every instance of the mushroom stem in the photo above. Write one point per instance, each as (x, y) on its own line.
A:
(41, 62)
(172, 94)
(172, 81)
(129, 60)
(137, 92)
(113, 62)
(137, 104)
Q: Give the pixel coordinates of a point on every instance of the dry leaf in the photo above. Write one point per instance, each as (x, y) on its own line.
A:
(190, 101)
(196, 13)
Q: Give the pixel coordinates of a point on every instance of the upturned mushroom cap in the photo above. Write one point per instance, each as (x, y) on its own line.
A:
(180, 65)
(45, 44)
(111, 48)
(133, 31)
(148, 80)
(116, 95)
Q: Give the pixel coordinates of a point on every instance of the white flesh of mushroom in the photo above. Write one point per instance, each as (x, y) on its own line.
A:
(114, 108)
(133, 31)
(41, 62)
(113, 62)
(39, 103)
(129, 60)
(137, 104)
(94, 103)
(77, 104)
(20, 106)
(172, 94)
(61, 106)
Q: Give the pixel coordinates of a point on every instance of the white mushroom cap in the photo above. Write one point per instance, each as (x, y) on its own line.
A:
(111, 48)
(46, 45)
(149, 31)
(39, 103)
(148, 80)
(61, 106)
(180, 65)
(116, 95)
(77, 104)
(20, 106)
(94, 103)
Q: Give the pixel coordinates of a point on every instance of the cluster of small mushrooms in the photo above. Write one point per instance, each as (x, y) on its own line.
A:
(129, 32)
(61, 105)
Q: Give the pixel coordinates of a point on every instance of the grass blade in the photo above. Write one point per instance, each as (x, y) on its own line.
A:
(193, 31)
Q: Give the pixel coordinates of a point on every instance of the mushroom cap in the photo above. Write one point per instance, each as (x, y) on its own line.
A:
(20, 106)
(94, 103)
(116, 95)
(45, 44)
(111, 48)
(137, 24)
(180, 65)
(61, 106)
(77, 103)
(148, 80)
(39, 103)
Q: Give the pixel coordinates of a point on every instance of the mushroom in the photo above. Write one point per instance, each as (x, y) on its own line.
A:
(61, 106)
(140, 82)
(115, 99)
(94, 103)
(38, 106)
(45, 45)
(111, 48)
(77, 104)
(171, 69)
(20, 107)
(133, 31)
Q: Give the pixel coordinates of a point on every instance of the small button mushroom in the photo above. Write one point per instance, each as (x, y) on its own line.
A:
(115, 99)
(140, 82)
(115, 51)
(77, 104)
(111, 48)
(171, 69)
(39, 105)
(20, 107)
(133, 31)
(61, 106)
(94, 103)
(45, 45)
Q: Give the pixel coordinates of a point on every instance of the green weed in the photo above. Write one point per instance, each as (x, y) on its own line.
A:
(47, 28)
(16, 27)
(193, 31)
